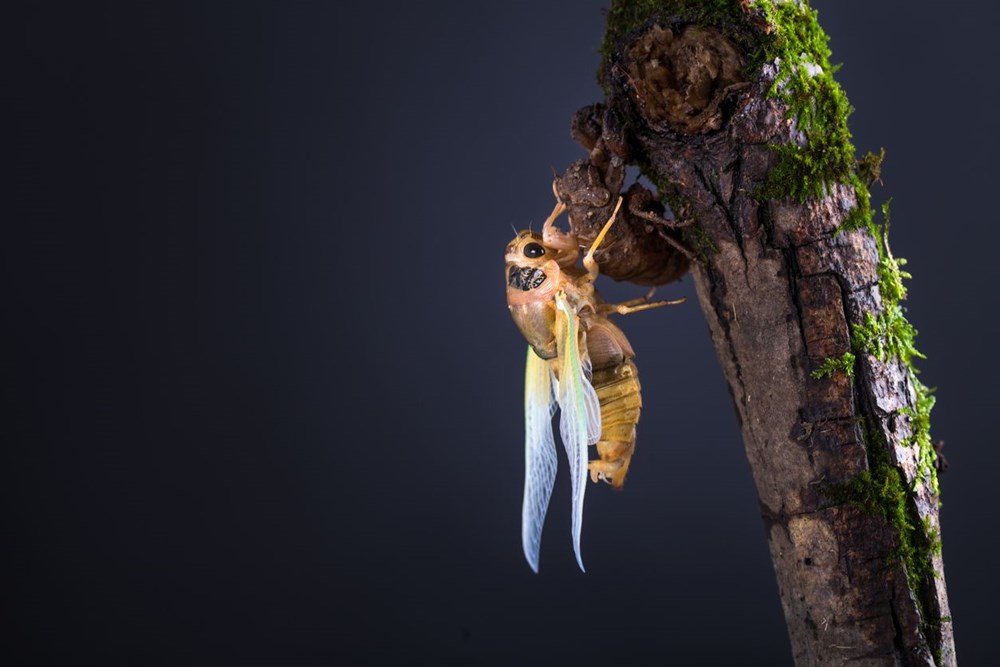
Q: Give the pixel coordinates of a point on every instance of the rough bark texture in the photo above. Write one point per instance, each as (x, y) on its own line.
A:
(782, 286)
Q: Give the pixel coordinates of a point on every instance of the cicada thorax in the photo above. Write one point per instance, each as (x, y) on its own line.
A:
(616, 380)
(535, 273)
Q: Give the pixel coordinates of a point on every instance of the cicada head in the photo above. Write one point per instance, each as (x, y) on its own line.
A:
(531, 263)
(526, 258)
(534, 275)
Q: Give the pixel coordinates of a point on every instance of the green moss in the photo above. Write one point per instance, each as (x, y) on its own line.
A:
(882, 490)
(920, 436)
(890, 274)
(820, 109)
(817, 103)
(891, 335)
(888, 335)
(844, 364)
(860, 217)
(870, 167)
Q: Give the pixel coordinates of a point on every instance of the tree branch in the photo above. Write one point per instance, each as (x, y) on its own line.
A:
(730, 108)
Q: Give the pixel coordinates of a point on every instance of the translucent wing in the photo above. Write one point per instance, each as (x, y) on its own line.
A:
(580, 418)
(539, 453)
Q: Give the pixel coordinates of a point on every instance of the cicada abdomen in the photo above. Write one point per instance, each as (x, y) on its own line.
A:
(616, 380)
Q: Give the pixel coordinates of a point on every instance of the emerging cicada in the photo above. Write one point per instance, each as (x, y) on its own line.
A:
(578, 360)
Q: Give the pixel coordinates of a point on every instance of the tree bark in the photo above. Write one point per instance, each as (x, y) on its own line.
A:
(731, 109)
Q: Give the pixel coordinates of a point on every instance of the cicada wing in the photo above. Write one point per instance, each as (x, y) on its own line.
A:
(593, 404)
(580, 418)
(540, 460)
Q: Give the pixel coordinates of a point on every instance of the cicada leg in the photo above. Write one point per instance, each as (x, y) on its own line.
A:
(635, 305)
(548, 227)
(612, 472)
(589, 262)
(565, 244)
(635, 302)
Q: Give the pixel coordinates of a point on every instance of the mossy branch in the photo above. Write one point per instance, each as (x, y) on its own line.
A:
(731, 108)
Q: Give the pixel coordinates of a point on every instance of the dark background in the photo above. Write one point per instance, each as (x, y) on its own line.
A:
(261, 394)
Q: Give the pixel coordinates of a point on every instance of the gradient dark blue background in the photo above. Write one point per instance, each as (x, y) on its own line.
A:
(261, 393)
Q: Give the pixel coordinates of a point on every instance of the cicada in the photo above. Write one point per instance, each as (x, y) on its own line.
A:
(580, 362)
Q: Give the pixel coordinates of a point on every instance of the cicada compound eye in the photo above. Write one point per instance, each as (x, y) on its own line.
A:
(533, 250)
